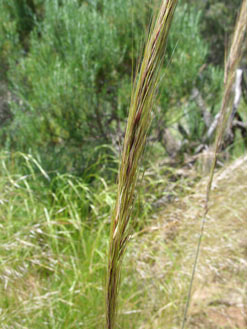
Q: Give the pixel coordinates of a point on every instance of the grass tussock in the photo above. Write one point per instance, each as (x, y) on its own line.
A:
(53, 246)
(55, 231)
(134, 142)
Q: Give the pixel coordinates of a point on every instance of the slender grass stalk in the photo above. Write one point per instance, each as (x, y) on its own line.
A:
(231, 65)
(142, 99)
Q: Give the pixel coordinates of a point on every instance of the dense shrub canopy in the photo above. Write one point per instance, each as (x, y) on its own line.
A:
(69, 65)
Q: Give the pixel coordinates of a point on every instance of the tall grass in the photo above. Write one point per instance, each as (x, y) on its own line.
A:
(53, 245)
(55, 229)
(135, 137)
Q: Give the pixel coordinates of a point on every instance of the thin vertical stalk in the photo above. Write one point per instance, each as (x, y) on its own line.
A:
(231, 65)
(142, 99)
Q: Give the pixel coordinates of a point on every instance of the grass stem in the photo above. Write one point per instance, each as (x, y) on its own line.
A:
(139, 118)
(231, 65)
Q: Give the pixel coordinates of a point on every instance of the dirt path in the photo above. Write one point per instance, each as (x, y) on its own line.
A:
(165, 255)
(220, 296)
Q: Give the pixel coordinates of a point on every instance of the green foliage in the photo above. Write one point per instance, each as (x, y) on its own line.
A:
(9, 42)
(55, 229)
(72, 84)
(186, 55)
(50, 246)
(217, 25)
(68, 84)
(209, 83)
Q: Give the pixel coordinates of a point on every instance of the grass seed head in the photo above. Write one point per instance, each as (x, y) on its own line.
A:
(135, 137)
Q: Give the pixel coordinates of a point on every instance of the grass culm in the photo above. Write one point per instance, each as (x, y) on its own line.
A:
(138, 124)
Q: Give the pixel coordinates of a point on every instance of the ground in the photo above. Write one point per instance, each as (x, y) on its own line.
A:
(164, 254)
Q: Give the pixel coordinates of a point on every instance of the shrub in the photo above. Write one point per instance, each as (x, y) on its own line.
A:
(72, 85)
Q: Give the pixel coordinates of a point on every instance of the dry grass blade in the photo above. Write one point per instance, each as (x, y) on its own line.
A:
(232, 62)
(135, 138)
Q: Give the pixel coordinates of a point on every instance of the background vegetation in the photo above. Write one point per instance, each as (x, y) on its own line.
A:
(65, 81)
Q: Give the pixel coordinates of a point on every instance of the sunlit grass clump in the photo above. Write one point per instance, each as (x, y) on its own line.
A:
(53, 246)
(54, 241)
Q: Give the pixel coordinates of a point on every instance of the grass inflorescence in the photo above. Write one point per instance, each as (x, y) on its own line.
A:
(137, 128)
